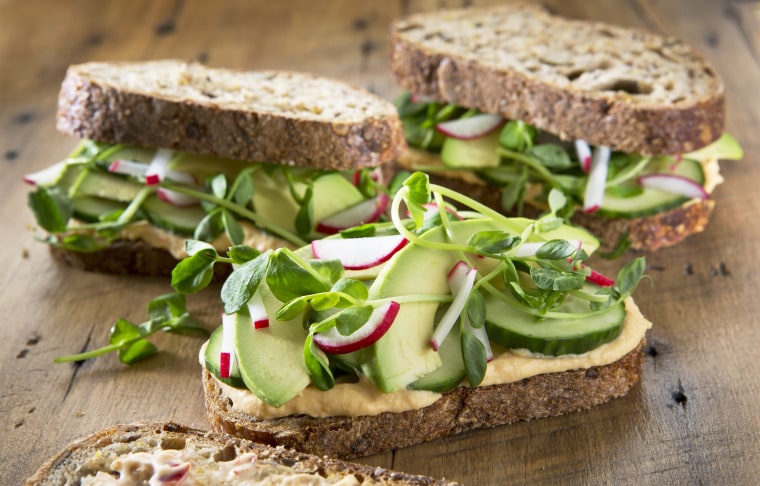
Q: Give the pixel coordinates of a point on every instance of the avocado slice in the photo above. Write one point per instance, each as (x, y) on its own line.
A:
(270, 360)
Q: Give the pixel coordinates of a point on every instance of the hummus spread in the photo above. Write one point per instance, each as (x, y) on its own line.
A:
(166, 467)
(362, 398)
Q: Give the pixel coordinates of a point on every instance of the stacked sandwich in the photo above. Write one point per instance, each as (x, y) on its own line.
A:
(509, 102)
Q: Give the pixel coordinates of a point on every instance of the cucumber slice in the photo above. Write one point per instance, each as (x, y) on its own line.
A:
(477, 152)
(211, 358)
(93, 182)
(645, 202)
(175, 219)
(90, 209)
(126, 152)
(452, 370)
(552, 337)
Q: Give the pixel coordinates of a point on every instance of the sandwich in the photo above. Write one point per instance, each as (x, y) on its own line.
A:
(173, 150)
(450, 317)
(508, 102)
(171, 453)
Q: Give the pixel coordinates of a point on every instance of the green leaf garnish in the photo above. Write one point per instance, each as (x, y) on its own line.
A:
(242, 283)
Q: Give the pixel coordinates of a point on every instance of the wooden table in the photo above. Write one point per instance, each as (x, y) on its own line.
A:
(694, 419)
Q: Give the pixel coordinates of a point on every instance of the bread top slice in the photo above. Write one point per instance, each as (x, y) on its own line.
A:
(172, 453)
(269, 116)
(625, 88)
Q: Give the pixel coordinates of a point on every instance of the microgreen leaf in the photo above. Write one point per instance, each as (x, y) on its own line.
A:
(417, 196)
(331, 270)
(547, 279)
(81, 242)
(305, 212)
(194, 273)
(361, 231)
(195, 246)
(475, 359)
(557, 200)
(476, 309)
(289, 278)
(242, 283)
(210, 226)
(492, 243)
(630, 275)
(232, 227)
(137, 351)
(517, 135)
(166, 307)
(556, 250)
(352, 319)
(218, 185)
(352, 287)
(242, 253)
(291, 310)
(551, 155)
(317, 365)
(513, 194)
(324, 301)
(51, 207)
(243, 188)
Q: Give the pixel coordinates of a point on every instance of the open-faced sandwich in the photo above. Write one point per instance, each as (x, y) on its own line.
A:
(448, 318)
(173, 454)
(173, 150)
(506, 103)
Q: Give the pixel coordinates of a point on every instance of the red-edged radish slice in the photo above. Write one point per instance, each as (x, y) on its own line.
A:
(227, 357)
(375, 174)
(469, 128)
(258, 312)
(531, 248)
(674, 184)
(366, 211)
(600, 279)
(381, 319)
(462, 277)
(128, 167)
(594, 195)
(176, 198)
(583, 150)
(358, 253)
(48, 175)
(158, 170)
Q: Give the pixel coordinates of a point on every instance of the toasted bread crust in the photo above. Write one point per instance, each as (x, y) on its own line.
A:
(458, 410)
(96, 103)
(78, 458)
(553, 98)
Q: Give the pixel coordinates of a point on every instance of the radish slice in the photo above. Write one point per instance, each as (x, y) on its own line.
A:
(473, 127)
(176, 198)
(592, 199)
(583, 150)
(600, 279)
(530, 249)
(358, 253)
(366, 211)
(675, 184)
(128, 167)
(258, 312)
(418, 98)
(158, 170)
(457, 277)
(462, 277)
(331, 341)
(227, 357)
(376, 175)
(48, 175)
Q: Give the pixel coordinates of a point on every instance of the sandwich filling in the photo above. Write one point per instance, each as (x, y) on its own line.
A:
(101, 193)
(526, 163)
(449, 293)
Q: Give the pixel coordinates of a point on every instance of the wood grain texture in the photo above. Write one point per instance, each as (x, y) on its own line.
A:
(694, 418)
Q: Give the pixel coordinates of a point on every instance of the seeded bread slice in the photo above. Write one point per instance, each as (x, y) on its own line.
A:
(272, 116)
(206, 452)
(457, 411)
(629, 89)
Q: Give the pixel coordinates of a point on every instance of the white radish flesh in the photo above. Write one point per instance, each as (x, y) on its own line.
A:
(674, 184)
(469, 128)
(594, 195)
(358, 253)
(381, 319)
(462, 276)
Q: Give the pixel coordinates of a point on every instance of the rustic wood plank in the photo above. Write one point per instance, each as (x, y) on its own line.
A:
(694, 417)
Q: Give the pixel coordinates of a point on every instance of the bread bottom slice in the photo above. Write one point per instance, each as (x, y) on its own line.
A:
(458, 410)
(121, 257)
(205, 452)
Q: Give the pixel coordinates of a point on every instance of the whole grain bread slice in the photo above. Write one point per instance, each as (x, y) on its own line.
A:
(270, 116)
(205, 452)
(458, 410)
(632, 90)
